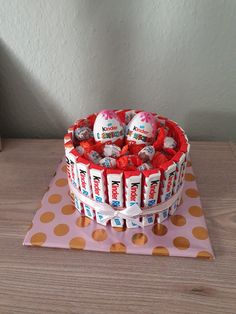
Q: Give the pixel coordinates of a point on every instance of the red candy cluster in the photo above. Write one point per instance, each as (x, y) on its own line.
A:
(122, 153)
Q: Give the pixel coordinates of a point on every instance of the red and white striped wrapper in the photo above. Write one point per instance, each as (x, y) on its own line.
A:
(179, 160)
(133, 188)
(98, 180)
(151, 180)
(85, 184)
(167, 184)
(115, 193)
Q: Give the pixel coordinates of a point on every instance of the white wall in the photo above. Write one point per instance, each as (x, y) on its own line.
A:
(62, 59)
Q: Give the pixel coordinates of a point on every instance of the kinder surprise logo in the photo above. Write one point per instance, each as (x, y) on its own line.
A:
(108, 127)
(142, 129)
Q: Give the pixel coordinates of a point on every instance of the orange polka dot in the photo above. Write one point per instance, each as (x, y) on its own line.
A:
(181, 243)
(139, 238)
(178, 220)
(99, 235)
(61, 182)
(195, 211)
(189, 163)
(61, 229)
(38, 239)
(161, 251)
(200, 233)
(204, 254)
(192, 193)
(77, 243)
(47, 217)
(189, 177)
(118, 247)
(120, 229)
(68, 209)
(159, 229)
(64, 168)
(54, 198)
(83, 221)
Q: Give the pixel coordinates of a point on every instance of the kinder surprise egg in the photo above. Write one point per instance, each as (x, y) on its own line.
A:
(142, 129)
(108, 128)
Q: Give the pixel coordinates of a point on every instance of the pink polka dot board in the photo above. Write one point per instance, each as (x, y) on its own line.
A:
(58, 224)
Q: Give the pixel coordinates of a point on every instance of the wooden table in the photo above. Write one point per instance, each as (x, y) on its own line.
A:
(40, 280)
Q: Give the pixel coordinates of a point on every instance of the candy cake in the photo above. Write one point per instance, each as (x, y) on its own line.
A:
(126, 167)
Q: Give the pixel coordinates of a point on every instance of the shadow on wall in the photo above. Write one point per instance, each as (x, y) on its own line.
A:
(23, 100)
(199, 124)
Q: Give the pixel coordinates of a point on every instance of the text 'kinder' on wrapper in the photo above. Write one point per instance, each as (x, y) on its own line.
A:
(133, 188)
(151, 185)
(115, 193)
(167, 183)
(179, 160)
(85, 183)
(97, 175)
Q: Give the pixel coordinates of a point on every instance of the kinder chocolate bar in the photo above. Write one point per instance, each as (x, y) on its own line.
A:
(167, 183)
(133, 187)
(179, 160)
(150, 193)
(115, 193)
(99, 188)
(67, 138)
(74, 177)
(185, 148)
(85, 185)
(68, 147)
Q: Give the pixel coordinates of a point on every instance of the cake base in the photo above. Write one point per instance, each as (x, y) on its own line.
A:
(58, 224)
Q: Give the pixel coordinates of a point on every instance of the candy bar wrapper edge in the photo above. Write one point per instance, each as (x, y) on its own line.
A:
(186, 150)
(99, 189)
(167, 183)
(179, 161)
(115, 193)
(150, 193)
(75, 177)
(85, 184)
(133, 188)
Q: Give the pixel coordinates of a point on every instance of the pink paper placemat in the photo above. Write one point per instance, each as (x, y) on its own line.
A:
(58, 224)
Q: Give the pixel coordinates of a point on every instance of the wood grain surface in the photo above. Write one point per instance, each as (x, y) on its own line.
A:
(40, 280)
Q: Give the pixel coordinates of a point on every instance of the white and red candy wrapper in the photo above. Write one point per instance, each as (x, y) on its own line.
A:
(145, 169)
(108, 162)
(167, 183)
(111, 150)
(85, 184)
(133, 188)
(83, 133)
(108, 128)
(147, 153)
(151, 180)
(115, 193)
(98, 180)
